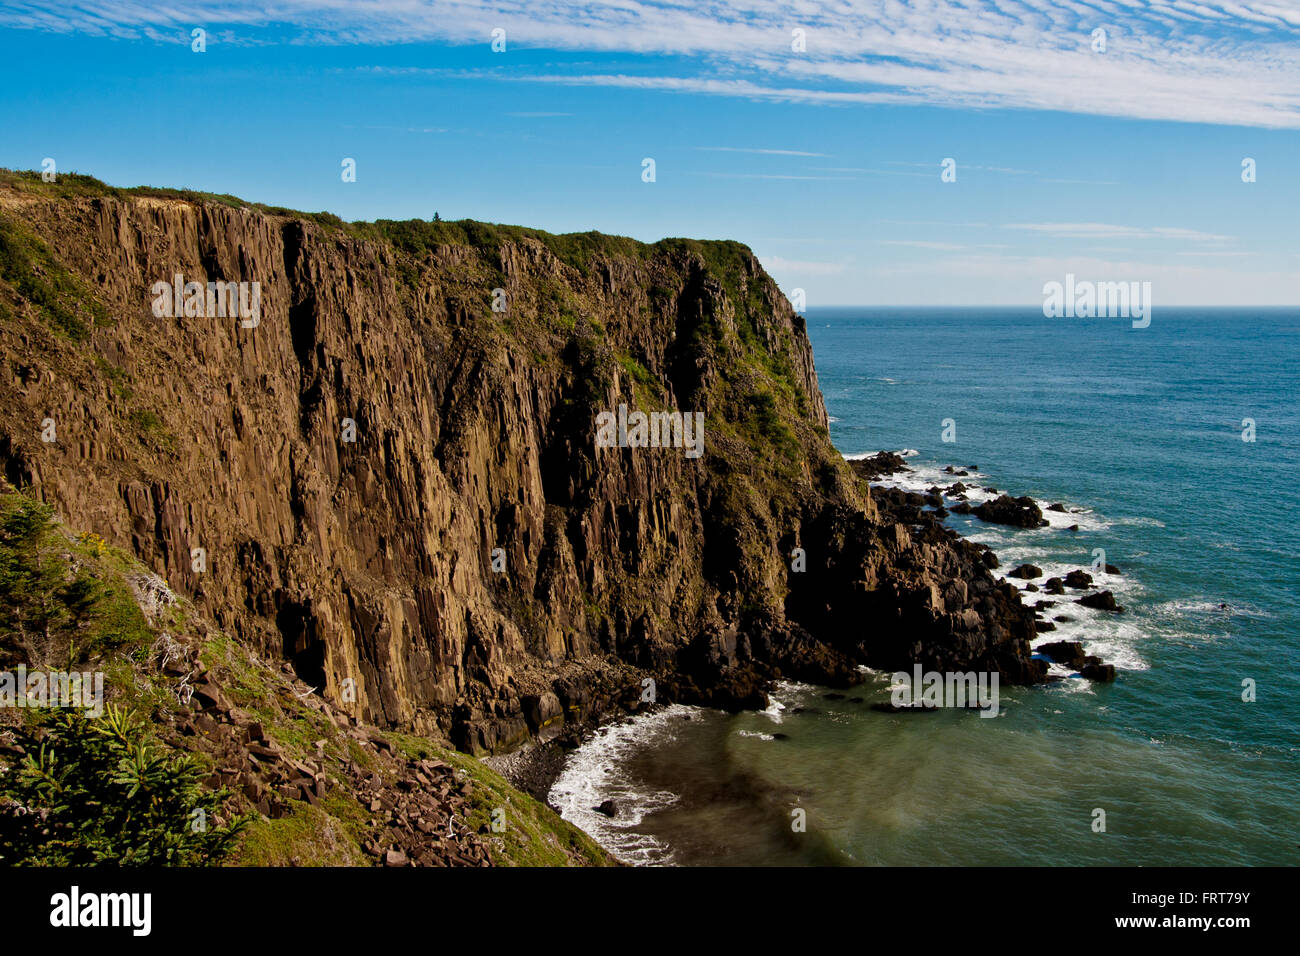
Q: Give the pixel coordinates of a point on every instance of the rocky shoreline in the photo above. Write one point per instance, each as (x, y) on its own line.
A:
(535, 767)
(929, 509)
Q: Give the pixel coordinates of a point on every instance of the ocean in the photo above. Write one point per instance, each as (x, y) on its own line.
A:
(1140, 433)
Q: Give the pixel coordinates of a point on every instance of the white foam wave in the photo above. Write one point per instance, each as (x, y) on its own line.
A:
(1209, 607)
(1140, 522)
(923, 477)
(1102, 633)
(783, 695)
(593, 773)
(774, 708)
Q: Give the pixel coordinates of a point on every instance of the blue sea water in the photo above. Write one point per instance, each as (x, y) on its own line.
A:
(1139, 432)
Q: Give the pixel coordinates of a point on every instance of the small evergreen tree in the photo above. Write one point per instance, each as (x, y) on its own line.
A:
(45, 603)
(98, 791)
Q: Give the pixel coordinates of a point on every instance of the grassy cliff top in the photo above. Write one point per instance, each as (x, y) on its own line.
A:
(415, 236)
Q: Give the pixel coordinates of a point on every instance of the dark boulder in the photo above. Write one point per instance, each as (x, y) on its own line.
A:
(1103, 673)
(1026, 571)
(878, 466)
(1069, 653)
(1102, 601)
(1020, 512)
(1078, 580)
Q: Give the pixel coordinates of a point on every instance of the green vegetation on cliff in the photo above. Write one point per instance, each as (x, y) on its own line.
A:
(131, 788)
(31, 268)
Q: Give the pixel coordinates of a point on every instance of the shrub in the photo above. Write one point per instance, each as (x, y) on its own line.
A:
(58, 607)
(99, 791)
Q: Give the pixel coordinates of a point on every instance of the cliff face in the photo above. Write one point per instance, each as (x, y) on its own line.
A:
(372, 565)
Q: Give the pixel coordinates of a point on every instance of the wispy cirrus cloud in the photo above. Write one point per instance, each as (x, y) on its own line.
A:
(761, 152)
(724, 175)
(1234, 63)
(922, 244)
(1103, 230)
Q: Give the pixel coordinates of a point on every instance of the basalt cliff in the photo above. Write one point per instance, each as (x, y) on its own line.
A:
(391, 482)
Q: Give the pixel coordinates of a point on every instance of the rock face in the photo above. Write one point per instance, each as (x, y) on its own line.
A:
(399, 490)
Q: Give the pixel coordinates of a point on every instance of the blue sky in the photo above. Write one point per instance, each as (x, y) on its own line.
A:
(1122, 164)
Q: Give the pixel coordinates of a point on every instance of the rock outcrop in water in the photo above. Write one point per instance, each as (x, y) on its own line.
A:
(1022, 512)
(391, 480)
